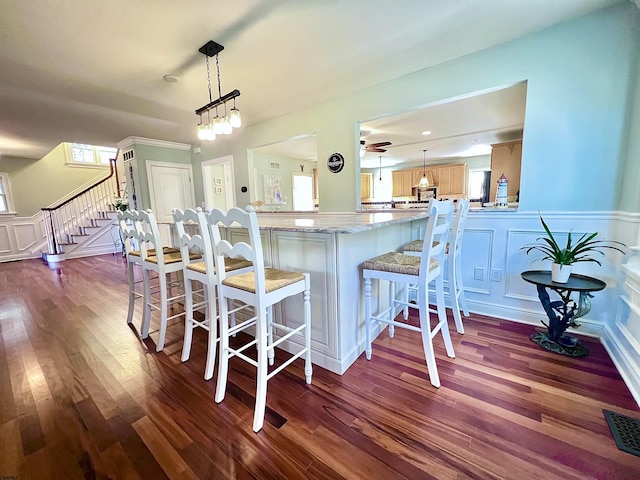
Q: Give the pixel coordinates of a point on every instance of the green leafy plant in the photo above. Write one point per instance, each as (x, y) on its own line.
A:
(121, 205)
(582, 250)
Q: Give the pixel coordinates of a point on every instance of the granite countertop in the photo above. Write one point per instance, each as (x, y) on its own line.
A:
(349, 222)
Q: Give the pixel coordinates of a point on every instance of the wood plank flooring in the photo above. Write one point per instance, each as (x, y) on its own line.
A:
(82, 397)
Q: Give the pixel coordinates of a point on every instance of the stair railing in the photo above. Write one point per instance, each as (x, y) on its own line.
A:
(82, 211)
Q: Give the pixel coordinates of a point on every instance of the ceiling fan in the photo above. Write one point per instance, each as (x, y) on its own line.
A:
(373, 147)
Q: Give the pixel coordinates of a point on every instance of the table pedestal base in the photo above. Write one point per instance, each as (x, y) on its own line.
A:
(543, 341)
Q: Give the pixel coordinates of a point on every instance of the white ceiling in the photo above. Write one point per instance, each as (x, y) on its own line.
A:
(91, 71)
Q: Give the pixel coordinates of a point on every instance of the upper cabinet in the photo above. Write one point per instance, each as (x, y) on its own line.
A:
(505, 159)
(452, 180)
(403, 181)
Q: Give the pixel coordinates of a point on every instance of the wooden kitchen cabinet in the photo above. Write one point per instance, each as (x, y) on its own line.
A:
(506, 158)
(451, 179)
(402, 182)
(366, 185)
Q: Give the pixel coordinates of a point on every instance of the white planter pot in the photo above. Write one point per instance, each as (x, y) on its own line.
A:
(560, 273)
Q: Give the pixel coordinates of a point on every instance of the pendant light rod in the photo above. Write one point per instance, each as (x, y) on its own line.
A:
(219, 101)
(424, 181)
(424, 162)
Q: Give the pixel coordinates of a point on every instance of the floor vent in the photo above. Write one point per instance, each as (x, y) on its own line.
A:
(625, 430)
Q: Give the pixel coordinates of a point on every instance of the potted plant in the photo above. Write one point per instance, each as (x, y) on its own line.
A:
(583, 250)
(121, 204)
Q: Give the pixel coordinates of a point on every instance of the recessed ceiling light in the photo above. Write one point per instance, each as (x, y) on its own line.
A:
(427, 132)
(171, 78)
(475, 140)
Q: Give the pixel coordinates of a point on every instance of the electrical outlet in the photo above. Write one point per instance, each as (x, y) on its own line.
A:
(496, 275)
(478, 273)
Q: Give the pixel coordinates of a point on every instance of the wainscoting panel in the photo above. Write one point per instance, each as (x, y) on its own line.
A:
(26, 235)
(312, 253)
(5, 244)
(477, 240)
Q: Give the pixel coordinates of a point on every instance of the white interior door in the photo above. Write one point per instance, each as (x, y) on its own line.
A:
(217, 178)
(302, 191)
(170, 187)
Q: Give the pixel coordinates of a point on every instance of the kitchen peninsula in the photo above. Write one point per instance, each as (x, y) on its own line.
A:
(331, 247)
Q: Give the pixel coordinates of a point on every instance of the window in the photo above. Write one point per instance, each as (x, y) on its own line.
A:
(6, 202)
(90, 155)
(479, 185)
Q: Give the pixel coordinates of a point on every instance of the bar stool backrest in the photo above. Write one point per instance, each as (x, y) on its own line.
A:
(435, 239)
(192, 238)
(149, 237)
(252, 251)
(457, 229)
(127, 221)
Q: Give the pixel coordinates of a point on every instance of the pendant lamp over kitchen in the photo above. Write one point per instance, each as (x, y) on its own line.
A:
(380, 168)
(424, 182)
(210, 127)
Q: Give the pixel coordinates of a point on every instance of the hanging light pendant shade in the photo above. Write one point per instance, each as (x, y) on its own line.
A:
(234, 116)
(424, 181)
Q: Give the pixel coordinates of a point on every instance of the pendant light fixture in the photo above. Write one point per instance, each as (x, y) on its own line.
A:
(215, 124)
(424, 182)
(380, 168)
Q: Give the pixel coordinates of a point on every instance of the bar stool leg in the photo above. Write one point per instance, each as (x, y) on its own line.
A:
(427, 342)
(453, 293)
(367, 316)
(223, 367)
(261, 381)
(460, 290)
(212, 315)
(271, 354)
(146, 314)
(132, 291)
(188, 319)
(306, 302)
(405, 310)
(442, 316)
(392, 307)
(162, 279)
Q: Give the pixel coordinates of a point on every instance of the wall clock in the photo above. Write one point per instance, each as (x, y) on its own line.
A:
(335, 162)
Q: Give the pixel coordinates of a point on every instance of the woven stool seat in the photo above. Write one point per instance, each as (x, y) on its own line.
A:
(397, 263)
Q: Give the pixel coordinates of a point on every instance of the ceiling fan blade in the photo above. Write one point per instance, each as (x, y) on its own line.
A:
(380, 144)
(374, 149)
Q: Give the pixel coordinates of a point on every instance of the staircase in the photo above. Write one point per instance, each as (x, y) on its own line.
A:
(74, 224)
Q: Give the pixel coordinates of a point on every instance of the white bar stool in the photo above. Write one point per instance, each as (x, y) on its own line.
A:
(165, 264)
(260, 289)
(195, 238)
(414, 270)
(454, 288)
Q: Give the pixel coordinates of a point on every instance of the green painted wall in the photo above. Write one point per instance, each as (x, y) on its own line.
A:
(151, 153)
(581, 76)
(261, 166)
(49, 178)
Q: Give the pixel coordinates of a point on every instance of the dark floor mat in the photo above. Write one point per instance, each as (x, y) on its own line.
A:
(625, 430)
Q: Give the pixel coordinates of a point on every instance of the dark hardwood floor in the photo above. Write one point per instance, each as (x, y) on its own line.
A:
(82, 397)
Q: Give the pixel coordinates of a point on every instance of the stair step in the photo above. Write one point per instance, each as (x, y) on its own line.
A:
(67, 243)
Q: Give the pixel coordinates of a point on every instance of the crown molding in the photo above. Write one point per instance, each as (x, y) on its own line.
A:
(130, 141)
